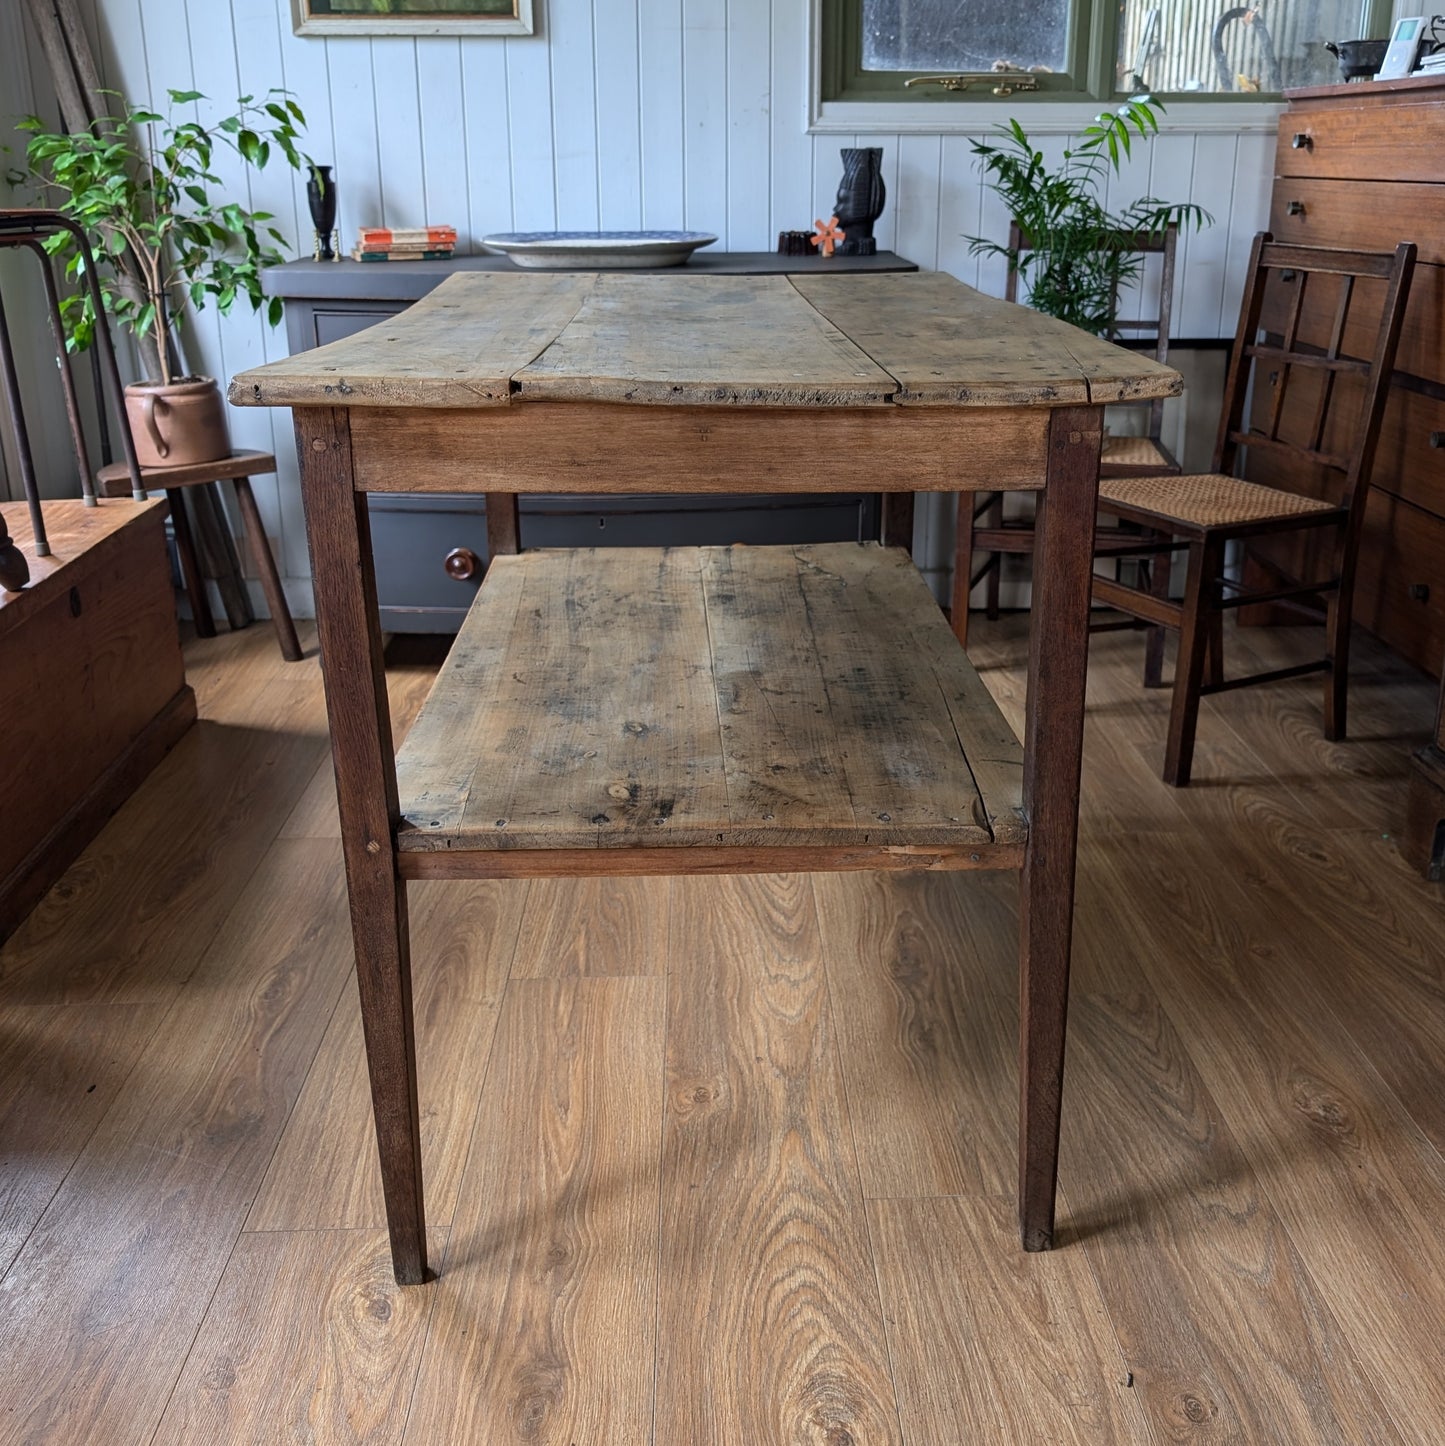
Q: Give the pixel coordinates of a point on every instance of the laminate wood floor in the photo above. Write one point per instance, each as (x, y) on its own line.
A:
(730, 1162)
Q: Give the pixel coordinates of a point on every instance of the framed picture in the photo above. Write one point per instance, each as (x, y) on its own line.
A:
(412, 17)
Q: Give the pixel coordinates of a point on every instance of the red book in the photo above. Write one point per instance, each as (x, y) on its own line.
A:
(407, 236)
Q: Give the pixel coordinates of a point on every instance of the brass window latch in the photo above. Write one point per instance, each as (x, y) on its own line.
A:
(1001, 82)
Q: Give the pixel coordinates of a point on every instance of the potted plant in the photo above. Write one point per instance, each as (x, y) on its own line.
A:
(142, 186)
(1078, 255)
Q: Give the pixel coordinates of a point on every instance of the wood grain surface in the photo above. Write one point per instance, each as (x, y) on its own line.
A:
(308, 1340)
(599, 447)
(992, 1345)
(769, 1323)
(104, 1300)
(459, 346)
(949, 345)
(324, 1173)
(703, 340)
(546, 1309)
(650, 698)
(1250, 1167)
(718, 341)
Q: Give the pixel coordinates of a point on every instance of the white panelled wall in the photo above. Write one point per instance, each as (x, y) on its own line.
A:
(616, 114)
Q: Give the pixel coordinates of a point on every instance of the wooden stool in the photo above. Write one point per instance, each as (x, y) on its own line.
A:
(238, 469)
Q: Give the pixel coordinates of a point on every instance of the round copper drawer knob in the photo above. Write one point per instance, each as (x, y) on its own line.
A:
(462, 563)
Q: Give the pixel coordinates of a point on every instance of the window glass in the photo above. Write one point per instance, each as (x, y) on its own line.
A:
(965, 35)
(1171, 46)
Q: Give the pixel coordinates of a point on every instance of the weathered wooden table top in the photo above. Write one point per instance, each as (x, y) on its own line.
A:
(846, 341)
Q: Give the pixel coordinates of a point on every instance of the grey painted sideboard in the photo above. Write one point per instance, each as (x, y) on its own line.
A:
(431, 551)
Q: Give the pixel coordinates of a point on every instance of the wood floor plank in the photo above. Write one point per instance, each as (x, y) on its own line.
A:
(325, 1173)
(990, 1344)
(129, 921)
(769, 1322)
(1349, 1173)
(100, 1307)
(61, 1069)
(917, 968)
(544, 1331)
(1225, 1332)
(308, 1339)
(593, 926)
(412, 661)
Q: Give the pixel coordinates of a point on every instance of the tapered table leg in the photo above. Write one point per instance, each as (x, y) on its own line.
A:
(349, 631)
(1053, 747)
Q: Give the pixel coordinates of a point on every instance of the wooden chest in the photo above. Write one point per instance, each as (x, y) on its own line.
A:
(1364, 166)
(92, 686)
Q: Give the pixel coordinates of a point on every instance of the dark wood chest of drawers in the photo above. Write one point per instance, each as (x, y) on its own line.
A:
(1364, 166)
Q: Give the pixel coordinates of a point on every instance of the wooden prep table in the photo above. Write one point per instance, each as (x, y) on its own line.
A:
(703, 710)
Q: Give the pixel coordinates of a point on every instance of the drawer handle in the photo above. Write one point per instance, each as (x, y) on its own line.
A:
(462, 563)
(1286, 276)
(1420, 592)
(1294, 208)
(1302, 141)
(1437, 439)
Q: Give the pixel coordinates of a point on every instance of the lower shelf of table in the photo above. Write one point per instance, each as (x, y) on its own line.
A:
(707, 710)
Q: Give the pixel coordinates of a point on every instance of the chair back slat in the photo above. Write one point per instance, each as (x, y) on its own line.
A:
(1337, 422)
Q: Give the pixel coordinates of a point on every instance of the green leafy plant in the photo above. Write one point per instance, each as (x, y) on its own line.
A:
(142, 187)
(1078, 255)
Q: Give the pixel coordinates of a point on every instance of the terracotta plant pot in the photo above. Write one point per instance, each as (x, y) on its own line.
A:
(178, 424)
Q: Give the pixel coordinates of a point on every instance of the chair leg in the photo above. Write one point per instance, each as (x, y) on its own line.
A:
(994, 518)
(1215, 672)
(1337, 650)
(1160, 566)
(1194, 626)
(190, 565)
(266, 566)
(962, 567)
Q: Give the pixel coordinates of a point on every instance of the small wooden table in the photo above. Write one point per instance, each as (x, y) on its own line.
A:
(703, 710)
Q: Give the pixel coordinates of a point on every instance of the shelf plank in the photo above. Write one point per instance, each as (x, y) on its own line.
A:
(767, 702)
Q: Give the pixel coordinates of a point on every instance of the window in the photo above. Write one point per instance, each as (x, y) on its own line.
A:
(1085, 48)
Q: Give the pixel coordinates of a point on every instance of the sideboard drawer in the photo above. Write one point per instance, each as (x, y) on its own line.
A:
(1373, 216)
(1362, 143)
(1400, 585)
(1410, 460)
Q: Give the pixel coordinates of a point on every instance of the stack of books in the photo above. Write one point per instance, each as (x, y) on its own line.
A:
(415, 243)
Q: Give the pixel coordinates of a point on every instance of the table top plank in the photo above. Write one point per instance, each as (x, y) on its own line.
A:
(459, 346)
(949, 345)
(678, 339)
(740, 698)
(850, 341)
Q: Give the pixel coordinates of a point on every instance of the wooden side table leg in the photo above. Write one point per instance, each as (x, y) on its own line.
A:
(195, 579)
(1053, 744)
(504, 524)
(266, 566)
(338, 530)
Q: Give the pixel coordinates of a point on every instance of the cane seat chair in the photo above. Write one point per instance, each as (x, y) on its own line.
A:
(1311, 365)
(982, 531)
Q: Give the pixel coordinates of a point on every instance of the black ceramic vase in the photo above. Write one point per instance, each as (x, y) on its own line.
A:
(321, 198)
(860, 199)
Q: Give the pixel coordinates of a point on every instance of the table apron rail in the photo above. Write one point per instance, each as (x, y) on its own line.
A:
(597, 447)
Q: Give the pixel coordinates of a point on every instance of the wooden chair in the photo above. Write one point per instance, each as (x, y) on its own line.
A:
(238, 468)
(1312, 359)
(1123, 456)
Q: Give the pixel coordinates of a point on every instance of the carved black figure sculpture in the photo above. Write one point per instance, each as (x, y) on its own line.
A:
(321, 199)
(860, 199)
(14, 570)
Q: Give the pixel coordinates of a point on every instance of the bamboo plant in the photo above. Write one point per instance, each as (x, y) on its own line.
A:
(1078, 255)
